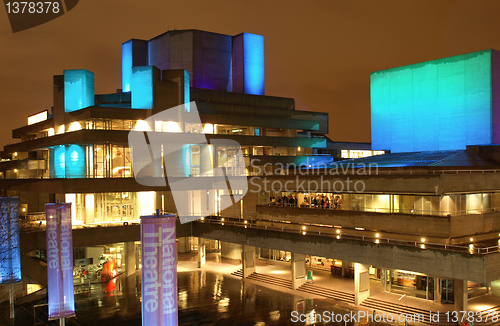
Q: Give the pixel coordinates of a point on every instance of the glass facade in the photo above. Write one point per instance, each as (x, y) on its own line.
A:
(452, 204)
(110, 207)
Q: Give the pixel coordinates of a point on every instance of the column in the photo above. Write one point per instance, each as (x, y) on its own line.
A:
(230, 250)
(461, 295)
(298, 270)
(361, 283)
(248, 260)
(129, 250)
(437, 290)
(159, 201)
(201, 252)
(183, 244)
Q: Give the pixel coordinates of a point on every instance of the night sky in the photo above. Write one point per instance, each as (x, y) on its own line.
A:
(319, 52)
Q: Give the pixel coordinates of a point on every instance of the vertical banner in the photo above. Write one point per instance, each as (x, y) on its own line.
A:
(60, 261)
(10, 254)
(159, 270)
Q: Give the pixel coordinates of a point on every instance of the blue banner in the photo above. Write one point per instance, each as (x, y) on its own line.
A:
(60, 261)
(10, 254)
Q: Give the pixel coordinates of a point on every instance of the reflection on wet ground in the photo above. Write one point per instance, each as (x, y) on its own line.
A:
(205, 298)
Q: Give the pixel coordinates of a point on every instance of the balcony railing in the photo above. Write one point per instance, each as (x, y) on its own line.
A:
(391, 211)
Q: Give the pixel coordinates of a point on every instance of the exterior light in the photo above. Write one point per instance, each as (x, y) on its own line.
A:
(423, 239)
(202, 218)
(24, 209)
(338, 237)
(298, 148)
(304, 233)
(245, 222)
(15, 170)
(303, 228)
(471, 239)
(377, 241)
(422, 246)
(338, 231)
(15, 153)
(377, 235)
(222, 223)
(222, 219)
(471, 246)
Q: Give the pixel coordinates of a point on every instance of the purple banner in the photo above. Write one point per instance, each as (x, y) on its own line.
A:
(60, 261)
(159, 270)
(10, 255)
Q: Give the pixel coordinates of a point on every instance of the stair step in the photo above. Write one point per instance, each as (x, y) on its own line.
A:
(390, 307)
(328, 293)
(270, 280)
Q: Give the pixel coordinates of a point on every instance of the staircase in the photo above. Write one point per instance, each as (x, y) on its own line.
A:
(270, 280)
(238, 273)
(489, 317)
(328, 293)
(390, 307)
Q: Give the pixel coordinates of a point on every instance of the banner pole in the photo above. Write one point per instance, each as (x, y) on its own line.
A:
(11, 300)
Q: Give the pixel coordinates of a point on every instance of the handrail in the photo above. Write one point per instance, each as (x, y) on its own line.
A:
(347, 236)
(393, 211)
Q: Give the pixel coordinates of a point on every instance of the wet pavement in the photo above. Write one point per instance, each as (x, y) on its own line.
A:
(209, 296)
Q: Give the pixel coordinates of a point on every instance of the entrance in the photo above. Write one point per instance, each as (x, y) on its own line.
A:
(447, 291)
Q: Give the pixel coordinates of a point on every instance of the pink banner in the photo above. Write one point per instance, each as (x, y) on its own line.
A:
(159, 270)
(60, 261)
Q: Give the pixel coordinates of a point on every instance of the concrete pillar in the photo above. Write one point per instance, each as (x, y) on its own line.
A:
(201, 252)
(183, 245)
(437, 290)
(461, 295)
(361, 283)
(159, 201)
(248, 259)
(129, 250)
(298, 270)
(383, 279)
(230, 250)
(207, 159)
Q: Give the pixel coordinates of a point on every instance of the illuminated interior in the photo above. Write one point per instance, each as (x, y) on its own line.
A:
(451, 204)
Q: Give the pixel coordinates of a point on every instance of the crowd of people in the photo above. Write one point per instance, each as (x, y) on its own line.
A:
(328, 201)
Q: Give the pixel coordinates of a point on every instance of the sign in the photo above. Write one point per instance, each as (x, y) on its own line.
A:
(10, 255)
(39, 117)
(159, 270)
(60, 261)
(309, 276)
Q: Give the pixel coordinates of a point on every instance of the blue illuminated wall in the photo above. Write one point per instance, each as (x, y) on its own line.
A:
(142, 86)
(443, 104)
(248, 64)
(75, 161)
(134, 53)
(209, 58)
(78, 89)
(59, 162)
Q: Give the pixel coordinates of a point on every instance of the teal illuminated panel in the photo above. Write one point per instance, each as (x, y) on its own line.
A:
(134, 53)
(60, 162)
(126, 66)
(142, 87)
(75, 161)
(443, 104)
(253, 55)
(78, 89)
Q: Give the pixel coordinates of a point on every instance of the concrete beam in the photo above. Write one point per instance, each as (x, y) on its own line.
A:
(436, 263)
